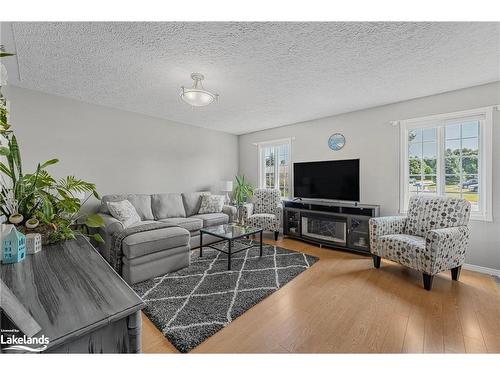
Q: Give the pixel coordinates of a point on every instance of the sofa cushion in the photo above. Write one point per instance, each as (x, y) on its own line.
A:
(264, 221)
(189, 223)
(125, 212)
(141, 202)
(211, 204)
(167, 205)
(152, 241)
(192, 202)
(210, 220)
(405, 249)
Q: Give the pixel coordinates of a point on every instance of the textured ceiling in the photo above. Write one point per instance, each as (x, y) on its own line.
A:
(267, 74)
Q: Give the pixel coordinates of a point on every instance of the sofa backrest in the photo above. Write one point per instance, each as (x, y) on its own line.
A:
(141, 202)
(158, 206)
(426, 213)
(166, 205)
(192, 202)
(266, 200)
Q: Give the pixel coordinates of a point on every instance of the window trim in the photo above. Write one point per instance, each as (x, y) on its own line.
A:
(485, 147)
(274, 143)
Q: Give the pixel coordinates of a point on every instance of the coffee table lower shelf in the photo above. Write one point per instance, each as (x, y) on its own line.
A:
(230, 244)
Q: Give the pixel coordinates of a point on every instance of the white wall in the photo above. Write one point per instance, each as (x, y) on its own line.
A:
(370, 137)
(119, 151)
(127, 152)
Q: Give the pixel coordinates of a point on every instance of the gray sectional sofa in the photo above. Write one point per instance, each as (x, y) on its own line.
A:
(153, 253)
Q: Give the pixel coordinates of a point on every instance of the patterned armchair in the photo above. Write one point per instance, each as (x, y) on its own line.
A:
(432, 238)
(265, 211)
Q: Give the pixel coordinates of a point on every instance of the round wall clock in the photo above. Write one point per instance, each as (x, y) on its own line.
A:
(336, 141)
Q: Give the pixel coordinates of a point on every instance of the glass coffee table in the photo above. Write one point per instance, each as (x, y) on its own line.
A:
(230, 233)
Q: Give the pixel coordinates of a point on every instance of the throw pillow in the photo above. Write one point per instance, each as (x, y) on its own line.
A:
(124, 212)
(211, 204)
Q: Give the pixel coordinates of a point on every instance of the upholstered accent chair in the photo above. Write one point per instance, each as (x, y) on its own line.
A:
(265, 211)
(432, 238)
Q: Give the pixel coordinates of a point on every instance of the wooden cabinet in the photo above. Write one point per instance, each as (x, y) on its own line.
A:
(337, 225)
(81, 304)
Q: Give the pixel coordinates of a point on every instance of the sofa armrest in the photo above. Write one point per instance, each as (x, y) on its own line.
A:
(230, 211)
(382, 226)
(446, 248)
(279, 214)
(111, 224)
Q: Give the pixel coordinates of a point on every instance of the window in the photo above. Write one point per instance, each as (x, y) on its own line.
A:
(449, 155)
(274, 166)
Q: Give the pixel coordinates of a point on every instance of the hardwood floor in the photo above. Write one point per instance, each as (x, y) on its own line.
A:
(343, 305)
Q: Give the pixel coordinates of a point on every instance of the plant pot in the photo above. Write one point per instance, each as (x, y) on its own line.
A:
(32, 223)
(16, 218)
(239, 215)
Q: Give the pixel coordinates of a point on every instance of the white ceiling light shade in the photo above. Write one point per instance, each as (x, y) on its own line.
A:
(197, 96)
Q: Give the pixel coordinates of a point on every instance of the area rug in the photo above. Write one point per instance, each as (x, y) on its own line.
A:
(190, 305)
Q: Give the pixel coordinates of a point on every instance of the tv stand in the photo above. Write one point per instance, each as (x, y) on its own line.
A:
(339, 225)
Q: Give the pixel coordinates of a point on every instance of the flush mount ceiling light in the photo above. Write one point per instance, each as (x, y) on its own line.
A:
(197, 96)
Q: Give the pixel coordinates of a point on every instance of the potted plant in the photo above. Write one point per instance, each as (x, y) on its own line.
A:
(242, 192)
(37, 202)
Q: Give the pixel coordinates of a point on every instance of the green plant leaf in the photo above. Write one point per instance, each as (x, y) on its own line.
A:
(4, 151)
(97, 237)
(11, 168)
(6, 54)
(63, 193)
(47, 209)
(49, 162)
(68, 205)
(243, 190)
(71, 183)
(94, 221)
(15, 153)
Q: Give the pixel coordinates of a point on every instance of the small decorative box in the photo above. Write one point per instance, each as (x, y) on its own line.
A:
(13, 245)
(33, 243)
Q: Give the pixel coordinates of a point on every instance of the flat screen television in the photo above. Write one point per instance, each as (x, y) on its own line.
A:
(332, 179)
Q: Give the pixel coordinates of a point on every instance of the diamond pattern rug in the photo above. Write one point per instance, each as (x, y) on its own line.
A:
(192, 304)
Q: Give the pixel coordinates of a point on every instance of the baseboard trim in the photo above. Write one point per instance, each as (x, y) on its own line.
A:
(486, 270)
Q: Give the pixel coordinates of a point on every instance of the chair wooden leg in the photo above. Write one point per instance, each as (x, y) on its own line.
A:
(376, 261)
(455, 273)
(427, 281)
(276, 234)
